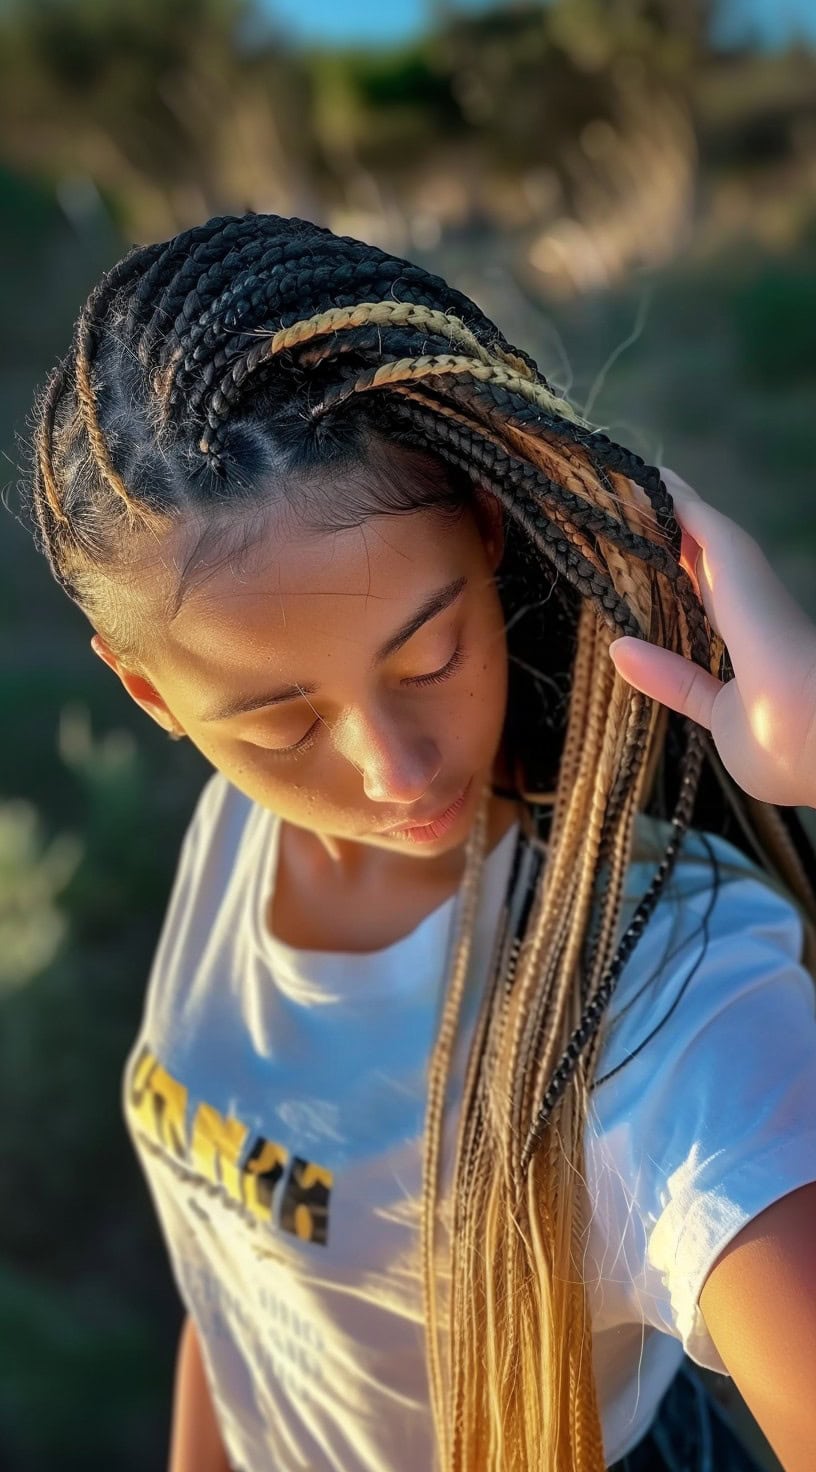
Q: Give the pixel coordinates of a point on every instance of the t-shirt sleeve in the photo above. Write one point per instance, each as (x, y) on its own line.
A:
(714, 1118)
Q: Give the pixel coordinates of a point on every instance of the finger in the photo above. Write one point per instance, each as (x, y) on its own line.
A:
(667, 677)
(691, 550)
(744, 600)
(697, 517)
(678, 488)
(690, 558)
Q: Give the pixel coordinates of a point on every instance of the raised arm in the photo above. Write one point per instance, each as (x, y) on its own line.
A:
(195, 1443)
(759, 1303)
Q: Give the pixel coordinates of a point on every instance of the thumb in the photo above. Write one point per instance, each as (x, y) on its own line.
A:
(665, 676)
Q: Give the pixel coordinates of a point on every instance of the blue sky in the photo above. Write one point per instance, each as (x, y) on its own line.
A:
(771, 22)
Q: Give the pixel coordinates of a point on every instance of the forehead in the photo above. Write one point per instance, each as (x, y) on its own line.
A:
(296, 592)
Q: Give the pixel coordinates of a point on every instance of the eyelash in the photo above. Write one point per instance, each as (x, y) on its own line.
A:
(447, 669)
(438, 675)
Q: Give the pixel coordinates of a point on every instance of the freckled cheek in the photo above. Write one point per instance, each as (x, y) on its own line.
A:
(496, 687)
(273, 786)
(247, 766)
(484, 694)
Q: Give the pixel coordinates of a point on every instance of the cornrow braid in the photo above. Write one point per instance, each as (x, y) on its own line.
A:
(223, 398)
(222, 368)
(192, 249)
(88, 326)
(46, 482)
(280, 273)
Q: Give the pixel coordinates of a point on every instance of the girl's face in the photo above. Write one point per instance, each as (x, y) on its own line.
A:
(351, 682)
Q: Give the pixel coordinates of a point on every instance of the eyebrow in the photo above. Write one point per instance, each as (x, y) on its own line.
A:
(433, 605)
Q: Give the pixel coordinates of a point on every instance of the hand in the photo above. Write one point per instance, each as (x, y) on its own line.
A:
(763, 722)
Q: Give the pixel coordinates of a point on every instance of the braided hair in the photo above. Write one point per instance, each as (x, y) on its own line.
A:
(257, 351)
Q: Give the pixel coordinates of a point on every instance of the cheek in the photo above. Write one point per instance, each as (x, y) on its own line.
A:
(246, 766)
(272, 786)
(485, 693)
(494, 661)
(292, 788)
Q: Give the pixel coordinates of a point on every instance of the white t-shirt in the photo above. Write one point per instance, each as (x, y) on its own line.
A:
(276, 1097)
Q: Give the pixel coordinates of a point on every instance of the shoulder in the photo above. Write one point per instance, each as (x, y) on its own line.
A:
(722, 933)
(219, 811)
(218, 847)
(701, 1113)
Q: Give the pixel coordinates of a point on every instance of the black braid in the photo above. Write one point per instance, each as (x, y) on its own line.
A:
(347, 261)
(469, 451)
(110, 283)
(339, 285)
(190, 248)
(221, 301)
(249, 293)
(187, 292)
(352, 343)
(528, 479)
(588, 1026)
(501, 408)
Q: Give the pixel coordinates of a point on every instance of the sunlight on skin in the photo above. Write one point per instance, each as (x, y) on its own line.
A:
(763, 722)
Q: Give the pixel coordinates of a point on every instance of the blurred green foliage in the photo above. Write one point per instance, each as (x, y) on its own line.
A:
(771, 311)
(83, 1295)
(32, 874)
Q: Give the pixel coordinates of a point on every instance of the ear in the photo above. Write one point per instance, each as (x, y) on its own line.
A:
(138, 688)
(490, 521)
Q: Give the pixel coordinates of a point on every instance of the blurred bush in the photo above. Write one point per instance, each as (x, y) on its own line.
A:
(774, 312)
(32, 874)
(83, 1289)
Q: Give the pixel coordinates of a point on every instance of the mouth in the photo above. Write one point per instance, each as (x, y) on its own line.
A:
(429, 818)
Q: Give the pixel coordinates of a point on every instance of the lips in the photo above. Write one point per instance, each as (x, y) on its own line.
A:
(421, 822)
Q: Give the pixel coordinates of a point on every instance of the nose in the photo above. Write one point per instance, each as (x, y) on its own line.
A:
(396, 765)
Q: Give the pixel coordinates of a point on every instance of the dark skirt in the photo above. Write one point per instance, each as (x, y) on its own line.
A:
(690, 1433)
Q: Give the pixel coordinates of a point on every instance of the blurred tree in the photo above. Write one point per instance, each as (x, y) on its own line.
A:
(175, 111)
(516, 114)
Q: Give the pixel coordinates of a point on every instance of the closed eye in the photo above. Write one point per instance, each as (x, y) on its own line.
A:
(444, 673)
(302, 745)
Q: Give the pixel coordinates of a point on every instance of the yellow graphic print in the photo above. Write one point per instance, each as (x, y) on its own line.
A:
(215, 1151)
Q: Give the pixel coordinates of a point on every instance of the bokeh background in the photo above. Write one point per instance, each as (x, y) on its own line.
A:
(627, 186)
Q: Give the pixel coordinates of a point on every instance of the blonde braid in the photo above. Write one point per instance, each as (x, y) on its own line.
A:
(138, 511)
(43, 444)
(437, 1081)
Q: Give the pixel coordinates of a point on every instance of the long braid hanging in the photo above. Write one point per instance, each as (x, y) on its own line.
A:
(437, 1081)
(214, 315)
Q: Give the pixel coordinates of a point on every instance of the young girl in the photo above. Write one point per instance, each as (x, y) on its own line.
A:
(480, 1037)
